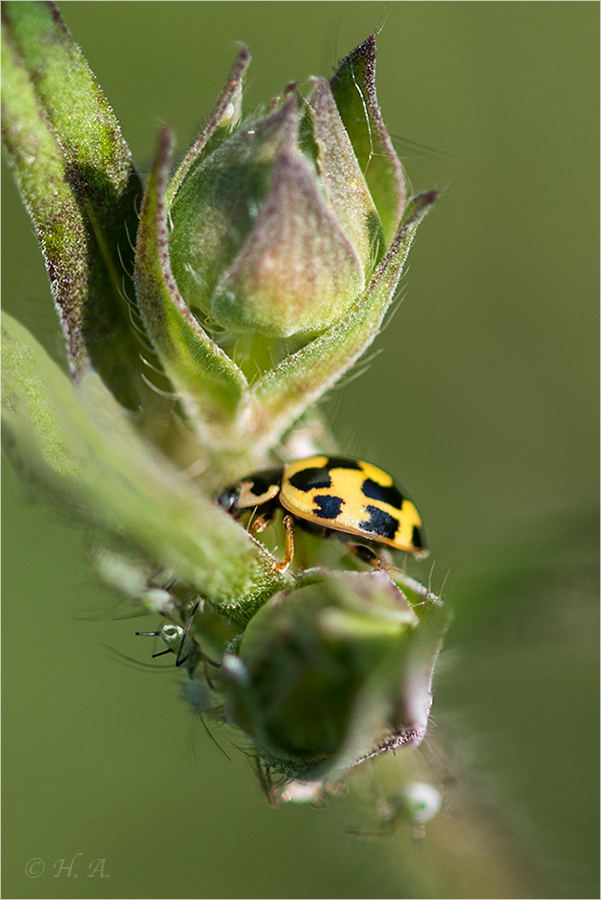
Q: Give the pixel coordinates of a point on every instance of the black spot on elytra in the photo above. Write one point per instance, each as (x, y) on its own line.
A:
(327, 506)
(380, 522)
(375, 491)
(338, 462)
(319, 476)
(311, 479)
(416, 538)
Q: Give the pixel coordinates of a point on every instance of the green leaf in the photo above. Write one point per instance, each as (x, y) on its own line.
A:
(354, 87)
(76, 444)
(282, 394)
(210, 384)
(79, 184)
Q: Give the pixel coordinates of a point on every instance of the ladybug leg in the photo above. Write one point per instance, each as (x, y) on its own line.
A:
(260, 523)
(289, 547)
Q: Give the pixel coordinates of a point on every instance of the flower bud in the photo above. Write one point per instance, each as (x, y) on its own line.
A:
(274, 230)
(332, 673)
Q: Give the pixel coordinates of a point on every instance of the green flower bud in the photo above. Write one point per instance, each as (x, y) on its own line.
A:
(274, 228)
(294, 225)
(333, 673)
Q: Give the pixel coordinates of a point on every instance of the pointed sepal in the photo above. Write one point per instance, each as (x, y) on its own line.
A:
(210, 385)
(354, 88)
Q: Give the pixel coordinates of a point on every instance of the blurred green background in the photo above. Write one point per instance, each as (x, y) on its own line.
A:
(483, 403)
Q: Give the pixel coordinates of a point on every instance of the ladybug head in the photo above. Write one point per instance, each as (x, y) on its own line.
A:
(228, 498)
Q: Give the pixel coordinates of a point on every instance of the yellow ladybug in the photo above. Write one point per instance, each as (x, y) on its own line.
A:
(334, 494)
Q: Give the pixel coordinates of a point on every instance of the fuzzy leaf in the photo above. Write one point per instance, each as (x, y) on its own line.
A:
(76, 444)
(79, 184)
(210, 384)
(354, 88)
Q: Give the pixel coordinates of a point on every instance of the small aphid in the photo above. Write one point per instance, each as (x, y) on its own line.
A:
(177, 640)
(421, 801)
(417, 803)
